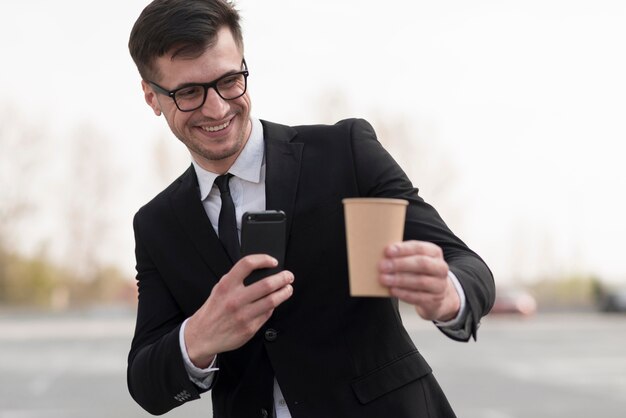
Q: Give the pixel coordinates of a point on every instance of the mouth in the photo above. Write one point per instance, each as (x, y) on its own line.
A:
(216, 128)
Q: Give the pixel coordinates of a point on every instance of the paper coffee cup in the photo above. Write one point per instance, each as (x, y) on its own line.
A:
(371, 225)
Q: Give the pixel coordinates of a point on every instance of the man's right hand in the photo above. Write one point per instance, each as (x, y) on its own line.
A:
(233, 313)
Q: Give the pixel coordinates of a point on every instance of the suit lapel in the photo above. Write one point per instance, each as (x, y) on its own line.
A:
(282, 168)
(190, 213)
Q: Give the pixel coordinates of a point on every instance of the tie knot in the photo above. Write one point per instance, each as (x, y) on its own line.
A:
(222, 182)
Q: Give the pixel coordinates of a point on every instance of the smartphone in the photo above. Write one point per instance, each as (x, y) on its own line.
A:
(264, 232)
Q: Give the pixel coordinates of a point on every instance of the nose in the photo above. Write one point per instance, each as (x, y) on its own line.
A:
(214, 106)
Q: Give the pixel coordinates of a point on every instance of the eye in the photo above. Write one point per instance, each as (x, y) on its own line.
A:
(229, 81)
(189, 92)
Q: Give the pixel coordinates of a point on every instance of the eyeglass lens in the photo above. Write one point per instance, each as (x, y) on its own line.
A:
(229, 87)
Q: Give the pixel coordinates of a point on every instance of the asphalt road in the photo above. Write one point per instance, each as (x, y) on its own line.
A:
(552, 365)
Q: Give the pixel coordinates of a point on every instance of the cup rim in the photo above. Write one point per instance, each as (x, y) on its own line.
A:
(375, 200)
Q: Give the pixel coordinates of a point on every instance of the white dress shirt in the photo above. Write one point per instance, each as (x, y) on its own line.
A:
(247, 188)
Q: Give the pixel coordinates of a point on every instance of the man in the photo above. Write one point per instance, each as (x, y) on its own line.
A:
(294, 344)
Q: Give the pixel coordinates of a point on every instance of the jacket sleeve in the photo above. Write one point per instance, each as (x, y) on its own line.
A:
(156, 375)
(379, 175)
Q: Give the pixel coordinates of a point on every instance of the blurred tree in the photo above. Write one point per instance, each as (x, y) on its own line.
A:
(30, 281)
(74, 191)
(21, 146)
(566, 292)
(89, 200)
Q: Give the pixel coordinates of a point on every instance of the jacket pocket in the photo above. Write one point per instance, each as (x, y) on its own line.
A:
(391, 376)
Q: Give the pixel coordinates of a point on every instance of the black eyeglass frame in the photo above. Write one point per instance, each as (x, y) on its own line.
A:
(206, 87)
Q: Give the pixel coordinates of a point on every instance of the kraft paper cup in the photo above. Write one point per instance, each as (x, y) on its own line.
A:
(371, 225)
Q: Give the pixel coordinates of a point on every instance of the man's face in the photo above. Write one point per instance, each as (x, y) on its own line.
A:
(216, 132)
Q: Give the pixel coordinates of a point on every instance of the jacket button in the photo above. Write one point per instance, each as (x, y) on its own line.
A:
(264, 413)
(271, 335)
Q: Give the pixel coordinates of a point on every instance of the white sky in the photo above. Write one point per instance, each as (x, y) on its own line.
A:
(525, 99)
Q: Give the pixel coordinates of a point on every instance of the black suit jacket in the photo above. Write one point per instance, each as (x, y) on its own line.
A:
(333, 355)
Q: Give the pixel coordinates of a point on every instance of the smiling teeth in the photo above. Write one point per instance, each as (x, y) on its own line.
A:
(216, 128)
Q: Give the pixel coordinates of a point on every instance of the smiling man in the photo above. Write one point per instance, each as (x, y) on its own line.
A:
(294, 344)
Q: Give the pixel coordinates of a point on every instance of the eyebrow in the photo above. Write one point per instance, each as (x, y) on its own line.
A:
(226, 74)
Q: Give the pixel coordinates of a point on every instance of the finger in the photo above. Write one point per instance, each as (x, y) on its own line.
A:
(426, 301)
(265, 306)
(247, 265)
(270, 284)
(416, 264)
(415, 283)
(252, 316)
(413, 247)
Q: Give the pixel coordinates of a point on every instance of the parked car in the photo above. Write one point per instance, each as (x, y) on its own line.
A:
(612, 300)
(514, 301)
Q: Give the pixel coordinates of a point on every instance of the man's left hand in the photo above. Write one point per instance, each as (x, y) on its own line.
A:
(415, 272)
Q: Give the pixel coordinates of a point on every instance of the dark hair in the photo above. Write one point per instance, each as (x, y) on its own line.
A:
(181, 27)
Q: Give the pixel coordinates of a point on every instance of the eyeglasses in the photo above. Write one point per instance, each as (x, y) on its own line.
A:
(192, 96)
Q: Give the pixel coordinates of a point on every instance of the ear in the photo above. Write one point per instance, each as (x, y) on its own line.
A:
(151, 97)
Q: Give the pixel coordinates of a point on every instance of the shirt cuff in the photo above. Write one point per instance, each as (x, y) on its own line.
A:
(457, 321)
(201, 377)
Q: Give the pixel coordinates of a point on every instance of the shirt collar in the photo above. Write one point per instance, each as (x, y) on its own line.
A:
(247, 166)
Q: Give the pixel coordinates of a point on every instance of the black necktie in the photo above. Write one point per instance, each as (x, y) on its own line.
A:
(227, 223)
